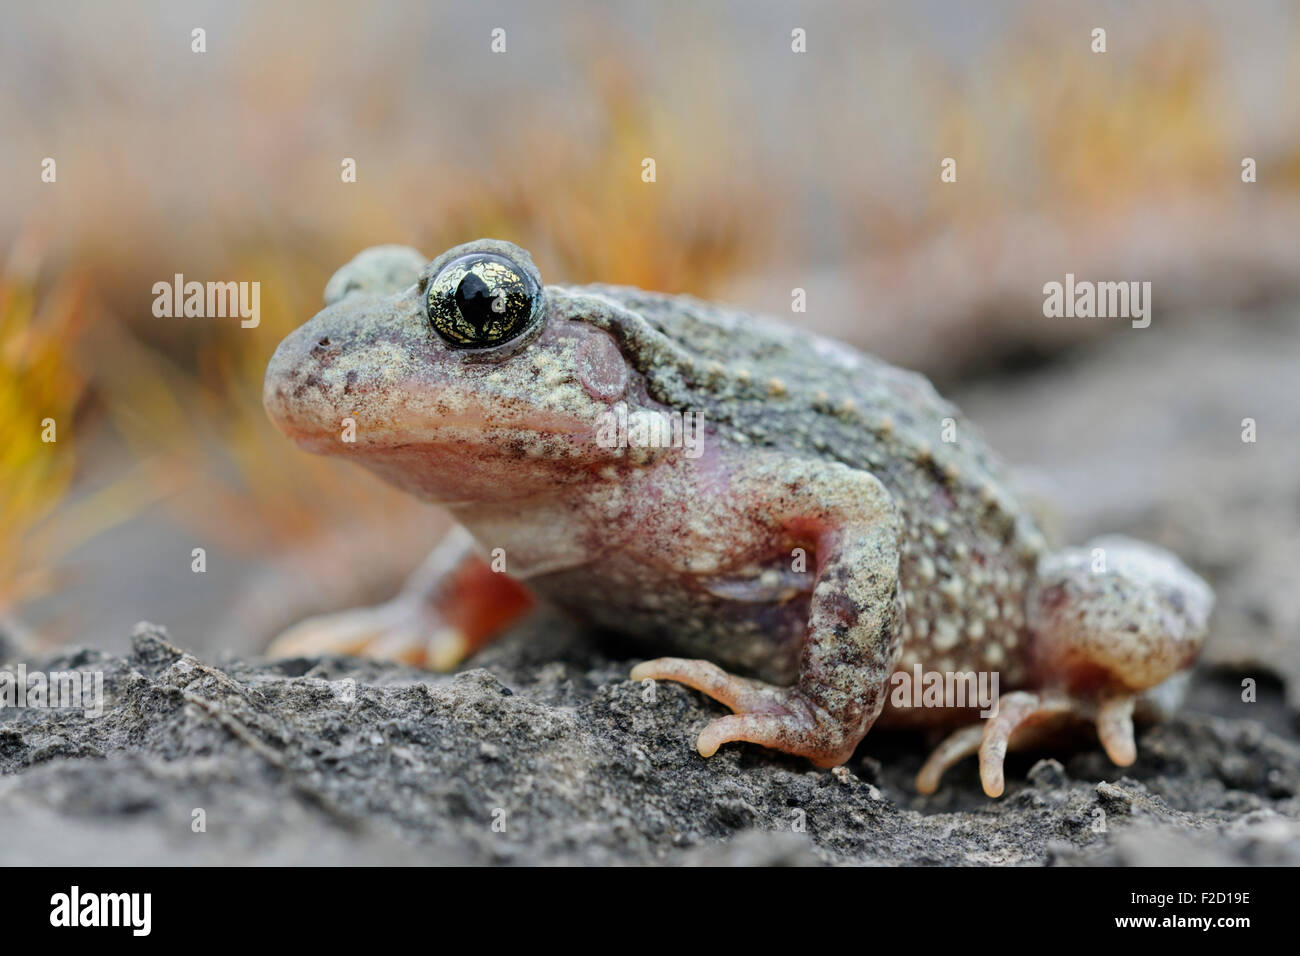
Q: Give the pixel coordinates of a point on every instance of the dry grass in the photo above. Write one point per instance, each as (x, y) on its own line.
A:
(41, 387)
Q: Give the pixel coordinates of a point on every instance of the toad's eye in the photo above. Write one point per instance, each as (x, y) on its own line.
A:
(482, 300)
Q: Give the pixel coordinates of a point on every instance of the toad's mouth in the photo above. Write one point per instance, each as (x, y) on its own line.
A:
(361, 433)
(467, 460)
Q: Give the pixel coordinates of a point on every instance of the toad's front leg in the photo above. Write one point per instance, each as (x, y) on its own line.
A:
(854, 633)
(450, 607)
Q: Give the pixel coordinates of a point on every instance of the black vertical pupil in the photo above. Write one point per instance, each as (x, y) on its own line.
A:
(474, 301)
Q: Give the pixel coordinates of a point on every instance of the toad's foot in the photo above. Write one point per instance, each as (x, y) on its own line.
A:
(1020, 719)
(398, 631)
(453, 605)
(778, 717)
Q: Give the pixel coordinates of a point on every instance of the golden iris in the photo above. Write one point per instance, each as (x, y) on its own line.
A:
(481, 300)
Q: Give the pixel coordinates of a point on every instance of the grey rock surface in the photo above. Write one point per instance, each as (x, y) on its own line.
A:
(544, 753)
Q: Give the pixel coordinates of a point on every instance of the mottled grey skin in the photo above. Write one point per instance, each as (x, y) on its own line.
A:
(765, 385)
(918, 552)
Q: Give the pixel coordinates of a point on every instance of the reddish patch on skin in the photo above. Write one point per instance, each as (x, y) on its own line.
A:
(479, 602)
(1083, 677)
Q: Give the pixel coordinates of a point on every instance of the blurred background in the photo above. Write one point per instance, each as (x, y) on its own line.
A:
(775, 170)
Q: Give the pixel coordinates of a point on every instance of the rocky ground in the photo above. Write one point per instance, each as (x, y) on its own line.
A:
(545, 753)
(541, 751)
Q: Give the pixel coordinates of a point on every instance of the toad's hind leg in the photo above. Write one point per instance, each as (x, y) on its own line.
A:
(1113, 624)
(853, 634)
(449, 608)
